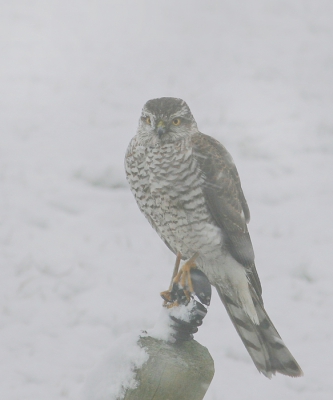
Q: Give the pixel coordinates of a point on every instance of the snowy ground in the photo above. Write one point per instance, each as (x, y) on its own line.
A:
(80, 266)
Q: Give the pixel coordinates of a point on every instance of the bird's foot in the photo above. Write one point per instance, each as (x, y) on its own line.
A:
(186, 314)
(186, 282)
(183, 277)
(181, 286)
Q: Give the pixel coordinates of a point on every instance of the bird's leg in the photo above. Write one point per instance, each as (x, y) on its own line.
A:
(183, 277)
(175, 269)
(181, 282)
(166, 295)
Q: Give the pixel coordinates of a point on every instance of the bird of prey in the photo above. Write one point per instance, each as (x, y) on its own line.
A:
(188, 187)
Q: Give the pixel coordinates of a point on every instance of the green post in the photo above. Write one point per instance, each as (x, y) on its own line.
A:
(181, 371)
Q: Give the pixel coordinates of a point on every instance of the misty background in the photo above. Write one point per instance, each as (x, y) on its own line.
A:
(79, 265)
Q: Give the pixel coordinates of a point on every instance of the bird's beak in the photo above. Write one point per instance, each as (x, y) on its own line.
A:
(161, 128)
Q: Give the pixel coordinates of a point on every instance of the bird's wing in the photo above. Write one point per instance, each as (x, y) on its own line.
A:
(225, 200)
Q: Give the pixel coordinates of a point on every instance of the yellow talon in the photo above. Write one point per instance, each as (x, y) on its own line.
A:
(180, 277)
(184, 275)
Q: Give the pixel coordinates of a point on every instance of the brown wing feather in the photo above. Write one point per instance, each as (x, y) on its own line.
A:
(226, 201)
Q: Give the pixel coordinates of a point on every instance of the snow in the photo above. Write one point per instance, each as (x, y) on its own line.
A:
(162, 329)
(115, 373)
(80, 266)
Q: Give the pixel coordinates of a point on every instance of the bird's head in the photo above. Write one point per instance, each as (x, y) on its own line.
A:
(166, 120)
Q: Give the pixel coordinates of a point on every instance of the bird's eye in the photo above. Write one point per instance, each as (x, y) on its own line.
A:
(148, 120)
(176, 121)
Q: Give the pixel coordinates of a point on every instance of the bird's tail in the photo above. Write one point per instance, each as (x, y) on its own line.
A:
(262, 341)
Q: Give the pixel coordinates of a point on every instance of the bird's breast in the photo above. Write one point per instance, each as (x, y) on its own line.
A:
(167, 184)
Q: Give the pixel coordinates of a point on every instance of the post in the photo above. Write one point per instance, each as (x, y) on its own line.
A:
(166, 363)
(174, 371)
(178, 368)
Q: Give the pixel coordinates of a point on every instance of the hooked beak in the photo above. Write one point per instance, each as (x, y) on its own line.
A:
(161, 129)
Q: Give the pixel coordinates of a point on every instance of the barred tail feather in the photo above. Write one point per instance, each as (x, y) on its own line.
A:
(262, 341)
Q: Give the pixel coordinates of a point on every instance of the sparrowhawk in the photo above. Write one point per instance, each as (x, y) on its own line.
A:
(188, 187)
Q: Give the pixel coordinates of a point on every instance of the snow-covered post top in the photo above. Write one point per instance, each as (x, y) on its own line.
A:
(164, 363)
(178, 367)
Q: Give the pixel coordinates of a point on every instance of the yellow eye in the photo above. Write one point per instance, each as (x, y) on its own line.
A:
(148, 120)
(176, 121)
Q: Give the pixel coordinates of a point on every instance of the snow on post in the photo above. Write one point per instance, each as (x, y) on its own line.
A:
(155, 365)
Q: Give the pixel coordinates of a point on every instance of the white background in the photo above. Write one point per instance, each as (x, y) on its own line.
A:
(79, 265)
